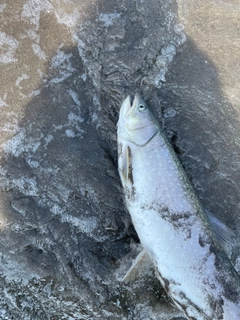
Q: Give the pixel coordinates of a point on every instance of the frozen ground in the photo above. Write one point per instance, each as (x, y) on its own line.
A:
(65, 236)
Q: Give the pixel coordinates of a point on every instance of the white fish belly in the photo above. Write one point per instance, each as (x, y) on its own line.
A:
(165, 214)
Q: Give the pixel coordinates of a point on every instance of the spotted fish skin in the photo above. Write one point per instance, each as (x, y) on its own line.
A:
(173, 228)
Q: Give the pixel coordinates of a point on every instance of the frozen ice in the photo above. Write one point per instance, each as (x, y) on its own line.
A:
(74, 96)
(8, 48)
(38, 51)
(109, 18)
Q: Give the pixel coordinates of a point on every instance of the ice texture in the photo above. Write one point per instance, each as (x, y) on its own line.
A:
(8, 48)
(66, 66)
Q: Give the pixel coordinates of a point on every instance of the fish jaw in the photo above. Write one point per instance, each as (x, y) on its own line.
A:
(126, 110)
(128, 105)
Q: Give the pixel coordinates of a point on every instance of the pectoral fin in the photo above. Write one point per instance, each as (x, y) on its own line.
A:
(125, 162)
(126, 165)
(141, 264)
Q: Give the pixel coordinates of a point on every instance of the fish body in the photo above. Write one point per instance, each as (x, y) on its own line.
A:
(173, 228)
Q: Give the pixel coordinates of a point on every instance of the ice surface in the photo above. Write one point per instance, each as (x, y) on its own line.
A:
(65, 68)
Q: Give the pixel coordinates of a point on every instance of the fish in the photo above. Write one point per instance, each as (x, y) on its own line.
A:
(183, 242)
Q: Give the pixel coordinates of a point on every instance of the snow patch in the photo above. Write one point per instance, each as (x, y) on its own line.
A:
(70, 133)
(84, 77)
(96, 102)
(27, 186)
(163, 61)
(95, 117)
(74, 96)
(237, 264)
(33, 35)
(171, 113)
(73, 122)
(24, 76)
(17, 144)
(2, 7)
(32, 163)
(61, 61)
(34, 93)
(13, 271)
(39, 52)
(33, 8)
(179, 30)
(108, 18)
(86, 225)
(8, 47)
(11, 126)
(70, 20)
(48, 139)
(74, 118)
(3, 103)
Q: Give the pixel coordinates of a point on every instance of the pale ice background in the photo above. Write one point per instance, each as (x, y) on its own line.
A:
(66, 66)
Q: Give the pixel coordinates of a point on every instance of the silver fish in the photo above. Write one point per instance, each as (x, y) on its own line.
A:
(175, 231)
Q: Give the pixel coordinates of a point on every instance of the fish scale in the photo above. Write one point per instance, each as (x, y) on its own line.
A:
(190, 262)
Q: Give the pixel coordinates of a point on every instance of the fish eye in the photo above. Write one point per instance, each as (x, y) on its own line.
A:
(141, 107)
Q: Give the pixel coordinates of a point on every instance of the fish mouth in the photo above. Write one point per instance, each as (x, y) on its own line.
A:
(129, 104)
(127, 108)
(131, 97)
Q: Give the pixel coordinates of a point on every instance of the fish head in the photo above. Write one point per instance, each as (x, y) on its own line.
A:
(136, 122)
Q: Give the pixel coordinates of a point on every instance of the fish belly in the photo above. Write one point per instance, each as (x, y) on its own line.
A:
(165, 214)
